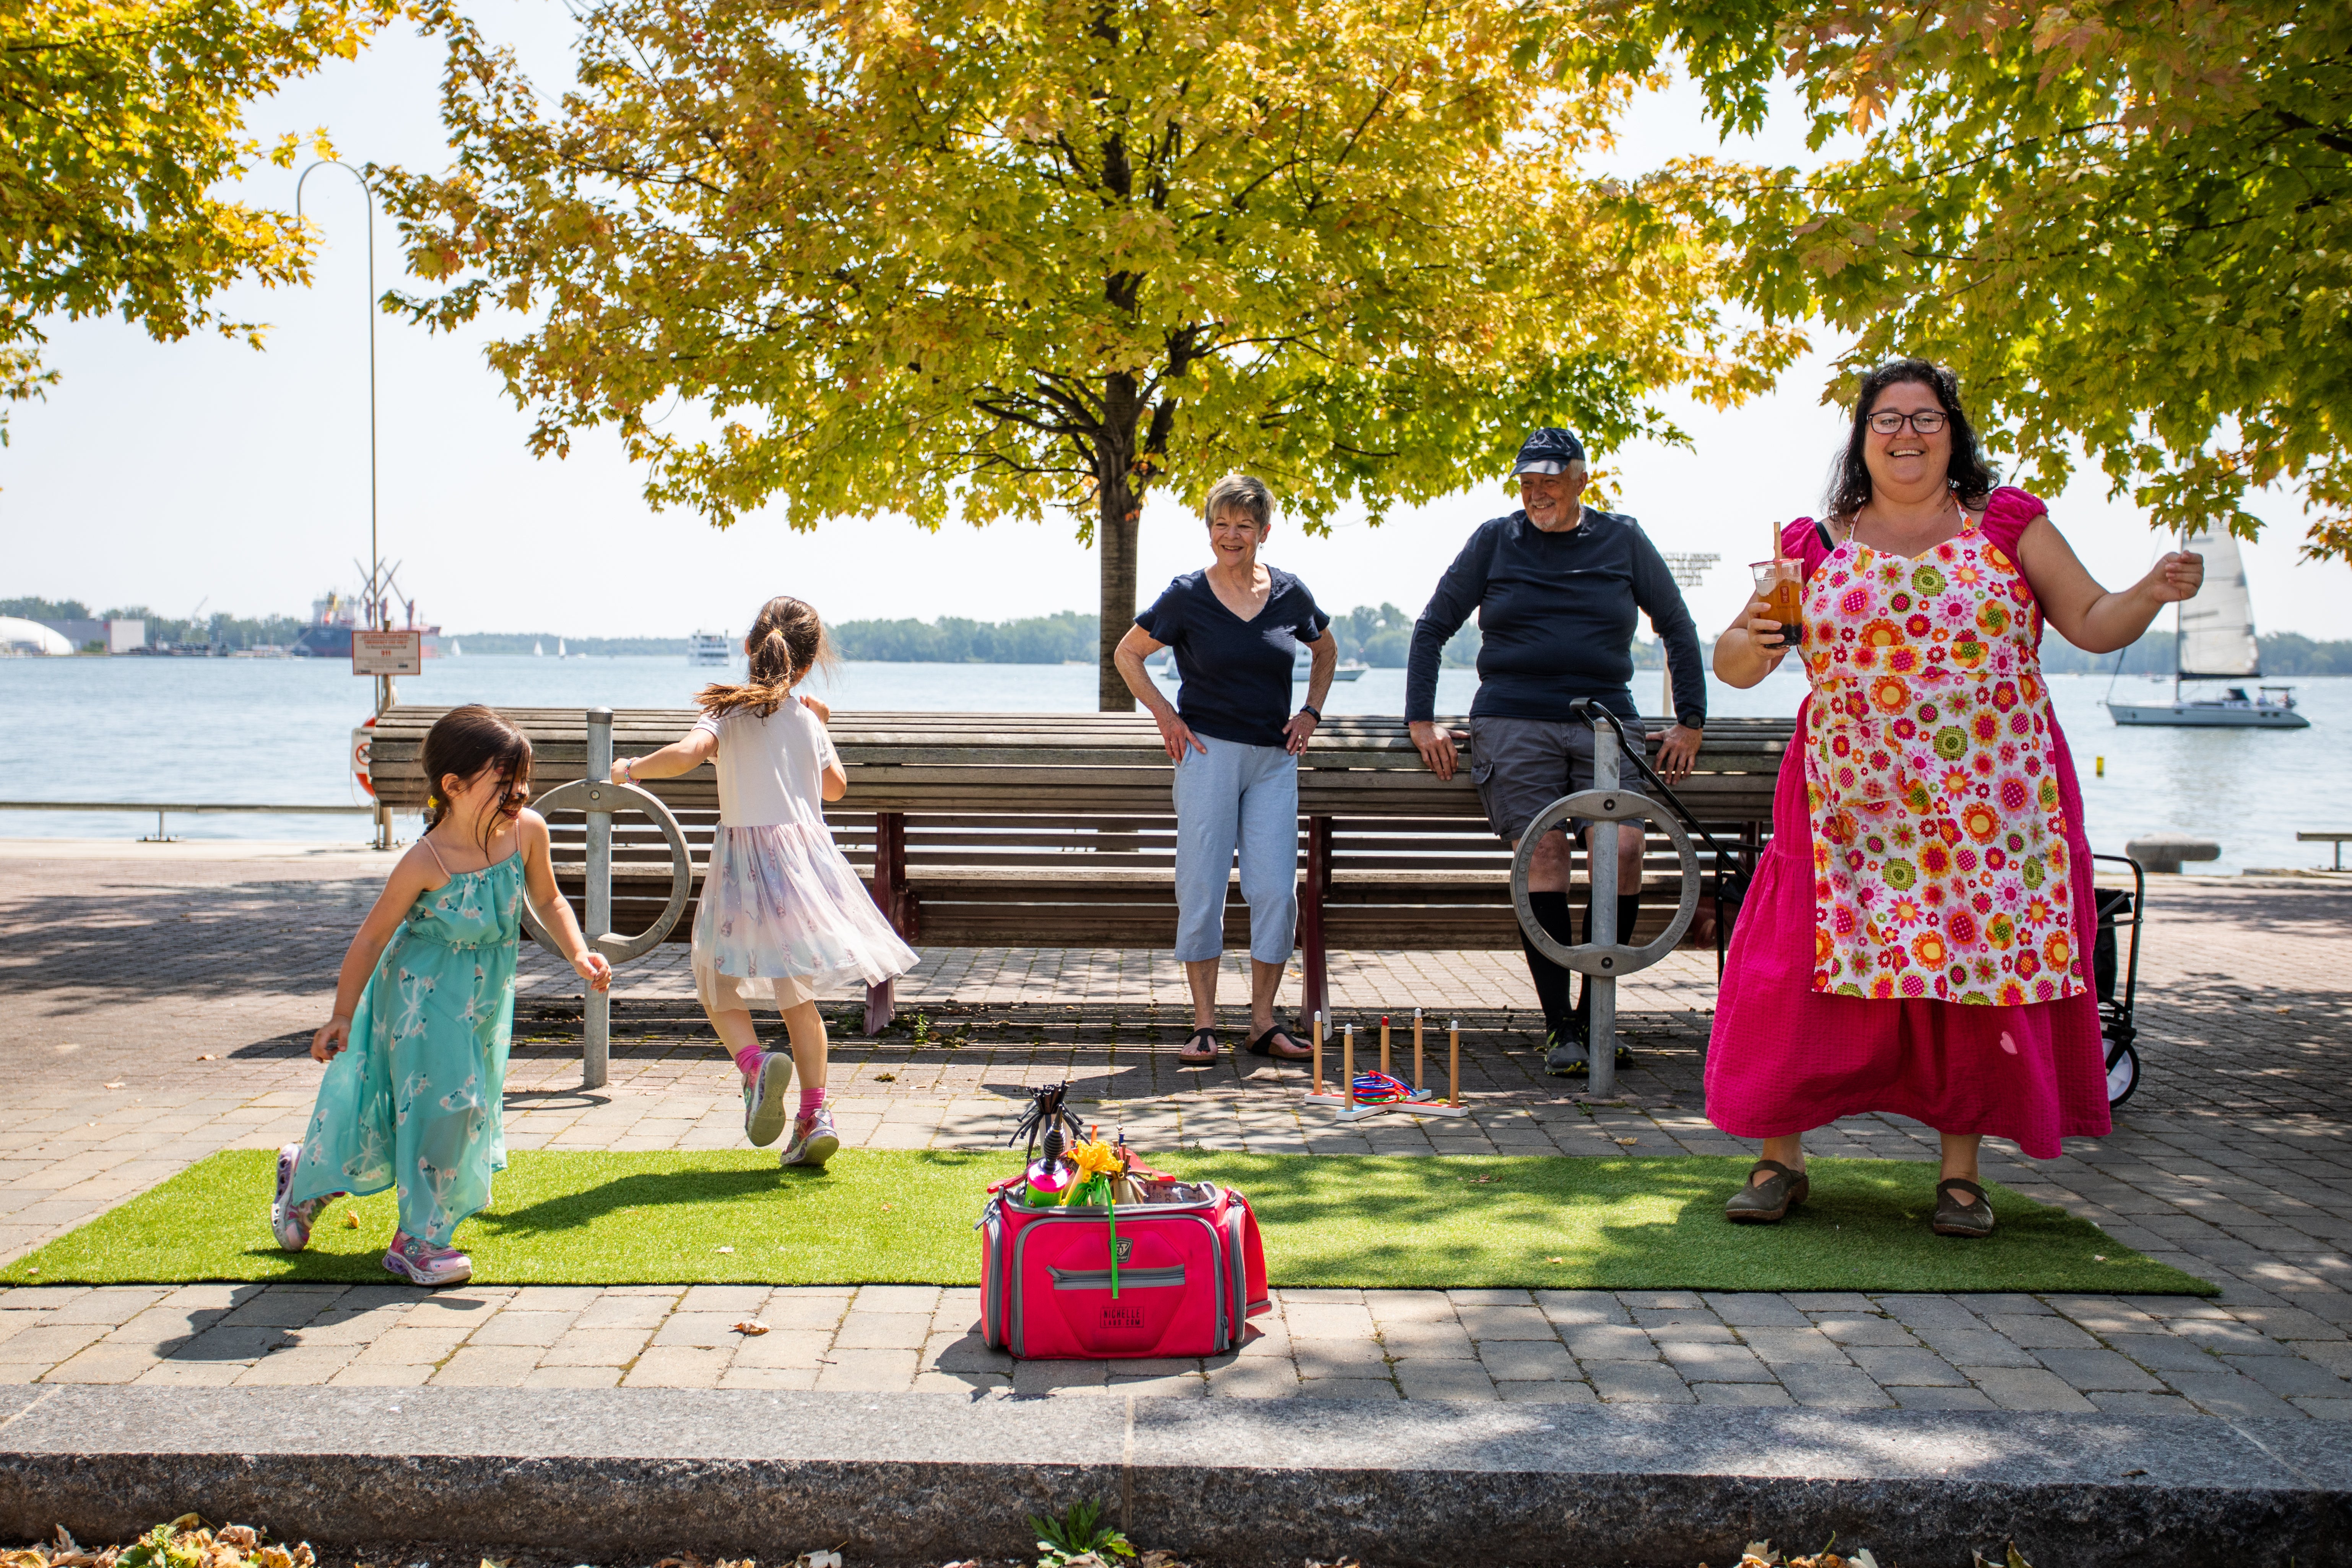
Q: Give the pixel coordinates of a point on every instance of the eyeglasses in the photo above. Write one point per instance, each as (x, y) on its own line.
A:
(1927, 422)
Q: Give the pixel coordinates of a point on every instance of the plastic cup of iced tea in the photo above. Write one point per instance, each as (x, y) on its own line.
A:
(1780, 585)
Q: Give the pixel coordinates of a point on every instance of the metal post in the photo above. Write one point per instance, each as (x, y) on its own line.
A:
(597, 1050)
(1601, 864)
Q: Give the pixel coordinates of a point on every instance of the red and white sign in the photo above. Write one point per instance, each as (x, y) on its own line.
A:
(387, 653)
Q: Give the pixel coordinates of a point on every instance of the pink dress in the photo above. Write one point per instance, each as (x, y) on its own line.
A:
(1916, 938)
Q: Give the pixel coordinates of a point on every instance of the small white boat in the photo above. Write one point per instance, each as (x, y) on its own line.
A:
(711, 649)
(2215, 641)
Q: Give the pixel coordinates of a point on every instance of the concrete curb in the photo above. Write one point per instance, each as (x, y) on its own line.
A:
(916, 1479)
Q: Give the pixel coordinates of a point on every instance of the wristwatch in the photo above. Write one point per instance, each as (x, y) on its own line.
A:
(1310, 708)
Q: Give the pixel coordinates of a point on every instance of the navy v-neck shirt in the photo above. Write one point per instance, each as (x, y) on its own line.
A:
(1232, 674)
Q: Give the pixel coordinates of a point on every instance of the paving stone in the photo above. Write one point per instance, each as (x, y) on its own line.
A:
(596, 1347)
(1546, 1393)
(1788, 1347)
(2100, 1371)
(514, 1328)
(1427, 1341)
(1338, 1358)
(1633, 1383)
(1445, 1379)
(614, 1312)
(1346, 1388)
(1861, 1331)
(1327, 1320)
(103, 1363)
(2287, 1376)
(1919, 1314)
(1708, 1362)
(2028, 1388)
(677, 1366)
(2324, 1409)
(1893, 1367)
(1485, 1322)
(1752, 1396)
(2149, 1406)
(1526, 1361)
(579, 1377)
(2229, 1393)
(1921, 1397)
(492, 1366)
(1840, 1302)
(1755, 1310)
(2227, 1338)
(1595, 1342)
(2039, 1333)
(1579, 1307)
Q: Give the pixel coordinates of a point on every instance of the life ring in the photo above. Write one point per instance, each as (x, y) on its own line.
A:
(362, 755)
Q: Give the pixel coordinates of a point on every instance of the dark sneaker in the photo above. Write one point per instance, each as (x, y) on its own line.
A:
(1565, 1056)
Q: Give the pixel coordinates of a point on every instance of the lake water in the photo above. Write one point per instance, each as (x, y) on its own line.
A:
(274, 730)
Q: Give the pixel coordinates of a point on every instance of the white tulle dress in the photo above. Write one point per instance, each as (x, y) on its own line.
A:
(782, 914)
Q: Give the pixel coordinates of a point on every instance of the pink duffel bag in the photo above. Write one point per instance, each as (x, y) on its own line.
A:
(1192, 1272)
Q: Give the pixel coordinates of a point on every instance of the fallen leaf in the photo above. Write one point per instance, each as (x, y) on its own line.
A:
(1625, 1139)
(350, 1220)
(885, 1078)
(752, 1326)
(116, 1084)
(722, 1249)
(1555, 1260)
(208, 1057)
(2128, 1473)
(886, 1208)
(2098, 1257)
(1480, 1181)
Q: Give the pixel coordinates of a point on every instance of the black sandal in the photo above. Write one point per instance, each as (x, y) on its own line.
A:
(1263, 1045)
(1768, 1201)
(1194, 1054)
(1971, 1218)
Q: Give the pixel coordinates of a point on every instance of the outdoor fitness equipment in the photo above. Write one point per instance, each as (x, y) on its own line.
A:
(1601, 959)
(600, 798)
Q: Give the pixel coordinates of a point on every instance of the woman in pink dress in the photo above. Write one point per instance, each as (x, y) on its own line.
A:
(1916, 938)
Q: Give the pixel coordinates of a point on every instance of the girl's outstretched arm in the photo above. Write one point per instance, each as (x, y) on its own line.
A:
(548, 905)
(409, 878)
(681, 756)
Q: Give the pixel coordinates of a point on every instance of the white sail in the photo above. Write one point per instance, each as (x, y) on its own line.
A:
(2216, 626)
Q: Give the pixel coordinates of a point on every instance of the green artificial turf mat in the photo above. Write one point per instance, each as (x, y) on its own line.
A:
(906, 1216)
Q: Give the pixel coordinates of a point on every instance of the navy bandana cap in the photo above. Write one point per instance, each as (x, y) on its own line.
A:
(1550, 450)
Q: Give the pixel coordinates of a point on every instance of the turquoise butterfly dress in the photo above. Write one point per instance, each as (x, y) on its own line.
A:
(416, 1099)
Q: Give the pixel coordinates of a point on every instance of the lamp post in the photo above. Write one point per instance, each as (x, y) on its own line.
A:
(375, 611)
(1689, 570)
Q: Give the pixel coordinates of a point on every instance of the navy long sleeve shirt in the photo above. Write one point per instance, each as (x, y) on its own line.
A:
(1556, 615)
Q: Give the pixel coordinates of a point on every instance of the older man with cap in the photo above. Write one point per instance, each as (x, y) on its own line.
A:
(1556, 585)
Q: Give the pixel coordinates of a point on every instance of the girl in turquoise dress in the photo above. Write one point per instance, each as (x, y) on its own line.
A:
(416, 1051)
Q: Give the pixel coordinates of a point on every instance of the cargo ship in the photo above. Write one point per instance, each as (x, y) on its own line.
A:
(335, 617)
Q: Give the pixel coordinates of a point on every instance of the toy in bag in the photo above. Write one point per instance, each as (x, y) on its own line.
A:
(1091, 1255)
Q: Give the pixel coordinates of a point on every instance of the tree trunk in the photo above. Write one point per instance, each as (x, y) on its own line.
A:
(1115, 528)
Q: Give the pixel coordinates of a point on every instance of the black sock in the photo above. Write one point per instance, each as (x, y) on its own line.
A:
(1628, 910)
(1582, 1016)
(1551, 980)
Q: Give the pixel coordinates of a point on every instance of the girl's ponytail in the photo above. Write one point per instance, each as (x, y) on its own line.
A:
(784, 644)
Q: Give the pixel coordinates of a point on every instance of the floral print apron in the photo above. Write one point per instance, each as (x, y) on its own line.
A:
(1940, 866)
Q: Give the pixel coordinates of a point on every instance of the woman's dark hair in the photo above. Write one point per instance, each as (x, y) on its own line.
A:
(784, 643)
(464, 741)
(1969, 476)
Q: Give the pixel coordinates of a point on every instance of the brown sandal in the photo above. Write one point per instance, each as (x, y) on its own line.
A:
(1265, 1045)
(1768, 1201)
(1971, 1218)
(1196, 1054)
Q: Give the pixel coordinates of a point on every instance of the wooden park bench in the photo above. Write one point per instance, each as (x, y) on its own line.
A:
(1055, 829)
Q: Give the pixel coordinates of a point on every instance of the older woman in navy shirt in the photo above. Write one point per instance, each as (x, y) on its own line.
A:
(1236, 626)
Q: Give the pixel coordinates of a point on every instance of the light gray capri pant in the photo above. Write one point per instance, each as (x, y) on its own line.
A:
(1236, 797)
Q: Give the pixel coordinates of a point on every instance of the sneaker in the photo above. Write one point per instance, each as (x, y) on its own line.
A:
(291, 1222)
(1564, 1055)
(813, 1140)
(763, 1099)
(421, 1264)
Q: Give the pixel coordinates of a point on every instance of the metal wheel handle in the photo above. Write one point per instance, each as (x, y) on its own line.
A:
(1604, 806)
(596, 794)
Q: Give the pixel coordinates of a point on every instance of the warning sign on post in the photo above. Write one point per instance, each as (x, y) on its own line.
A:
(387, 653)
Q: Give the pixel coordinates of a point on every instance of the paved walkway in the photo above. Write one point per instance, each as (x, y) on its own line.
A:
(157, 1007)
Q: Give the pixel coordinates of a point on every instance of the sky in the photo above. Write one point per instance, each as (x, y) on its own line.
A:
(202, 473)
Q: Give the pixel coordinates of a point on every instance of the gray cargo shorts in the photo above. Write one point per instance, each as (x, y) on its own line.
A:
(1521, 765)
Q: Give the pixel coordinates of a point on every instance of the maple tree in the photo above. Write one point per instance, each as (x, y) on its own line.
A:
(2127, 224)
(118, 119)
(995, 260)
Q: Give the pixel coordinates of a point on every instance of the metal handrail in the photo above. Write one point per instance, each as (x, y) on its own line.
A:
(183, 806)
(163, 809)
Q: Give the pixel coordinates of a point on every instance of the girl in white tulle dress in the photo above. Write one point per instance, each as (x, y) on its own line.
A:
(783, 918)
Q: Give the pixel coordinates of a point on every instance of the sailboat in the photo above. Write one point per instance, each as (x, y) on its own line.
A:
(2215, 641)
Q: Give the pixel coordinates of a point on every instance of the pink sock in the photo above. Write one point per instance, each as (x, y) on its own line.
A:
(812, 1101)
(747, 1061)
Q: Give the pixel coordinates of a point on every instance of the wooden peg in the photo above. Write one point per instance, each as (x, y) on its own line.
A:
(1417, 1053)
(1385, 1045)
